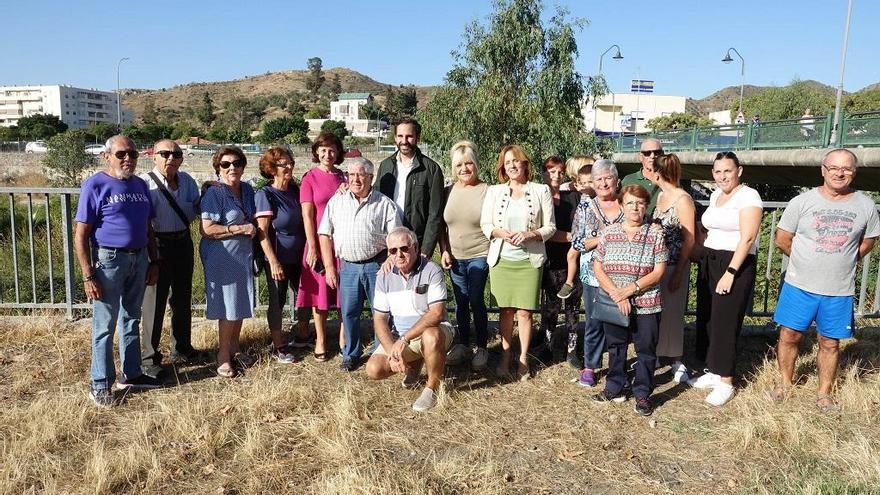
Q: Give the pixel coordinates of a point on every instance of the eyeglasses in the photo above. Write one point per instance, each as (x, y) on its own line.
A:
(839, 170)
(236, 164)
(284, 164)
(403, 249)
(358, 175)
(635, 204)
(652, 152)
(166, 153)
(121, 154)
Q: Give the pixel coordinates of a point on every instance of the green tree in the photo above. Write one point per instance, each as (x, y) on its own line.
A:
(513, 82)
(277, 129)
(315, 78)
(101, 131)
(296, 137)
(678, 120)
(788, 102)
(183, 131)
(238, 135)
(336, 127)
(241, 113)
(204, 112)
(217, 134)
(400, 103)
(40, 126)
(9, 133)
(320, 110)
(66, 158)
(863, 101)
(335, 86)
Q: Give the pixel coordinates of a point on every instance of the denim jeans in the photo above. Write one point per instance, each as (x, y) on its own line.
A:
(594, 336)
(122, 277)
(469, 287)
(357, 281)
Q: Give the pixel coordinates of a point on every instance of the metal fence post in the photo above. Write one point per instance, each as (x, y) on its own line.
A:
(67, 242)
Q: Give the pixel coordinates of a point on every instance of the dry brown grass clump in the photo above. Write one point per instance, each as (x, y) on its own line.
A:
(310, 428)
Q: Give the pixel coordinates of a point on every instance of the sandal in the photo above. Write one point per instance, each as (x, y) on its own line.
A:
(826, 404)
(779, 393)
(320, 357)
(524, 372)
(226, 370)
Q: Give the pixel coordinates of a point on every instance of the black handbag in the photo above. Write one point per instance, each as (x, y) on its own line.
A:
(605, 309)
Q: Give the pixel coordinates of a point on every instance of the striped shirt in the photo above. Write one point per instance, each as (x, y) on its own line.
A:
(626, 261)
(408, 299)
(186, 195)
(359, 228)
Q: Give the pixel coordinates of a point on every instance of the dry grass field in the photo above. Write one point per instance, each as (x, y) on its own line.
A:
(310, 428)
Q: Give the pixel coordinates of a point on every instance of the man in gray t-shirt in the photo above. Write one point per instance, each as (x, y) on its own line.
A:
(825, 232)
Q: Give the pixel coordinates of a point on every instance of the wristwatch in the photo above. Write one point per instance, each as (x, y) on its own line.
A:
(731, 270)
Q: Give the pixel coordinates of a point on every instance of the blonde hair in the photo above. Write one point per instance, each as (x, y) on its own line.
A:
(463, 151)
(574, 164)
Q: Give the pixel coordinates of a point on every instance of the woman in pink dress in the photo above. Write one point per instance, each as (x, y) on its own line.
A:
(318, 185)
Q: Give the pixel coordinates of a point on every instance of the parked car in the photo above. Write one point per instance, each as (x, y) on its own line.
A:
(251, 148)
(36, 147)
(201, 148)
(95, 149)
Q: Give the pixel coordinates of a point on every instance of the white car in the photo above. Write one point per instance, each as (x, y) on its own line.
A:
(36, 147)
(95, 149)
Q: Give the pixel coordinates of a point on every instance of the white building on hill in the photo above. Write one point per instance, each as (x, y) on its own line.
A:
(629, 112)
(76, 107)
(348, 108)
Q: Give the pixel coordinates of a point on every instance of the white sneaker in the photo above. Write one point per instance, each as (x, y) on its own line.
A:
(680, 372)
(721, 394)
(426, 401)
(708, 380)
(481, 357)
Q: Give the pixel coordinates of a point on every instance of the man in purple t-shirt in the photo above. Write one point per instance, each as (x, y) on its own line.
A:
(113, 240)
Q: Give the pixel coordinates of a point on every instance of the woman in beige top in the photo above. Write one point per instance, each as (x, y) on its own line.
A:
(464, 247)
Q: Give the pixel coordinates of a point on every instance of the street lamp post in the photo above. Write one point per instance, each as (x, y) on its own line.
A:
(617, 56)
(119, 97)
(835, 132)
(742, 72)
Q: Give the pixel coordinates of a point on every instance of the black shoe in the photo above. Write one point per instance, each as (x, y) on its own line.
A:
(604, 396)
(192, 356)
(643, 406)
(575, 361)
(142, 381)
(103, 397)
(348, 365)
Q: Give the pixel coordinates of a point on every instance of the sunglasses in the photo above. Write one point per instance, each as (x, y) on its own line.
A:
(165, 154)
(120, 155)
(403, 249)
(652, 152)
(236, 164)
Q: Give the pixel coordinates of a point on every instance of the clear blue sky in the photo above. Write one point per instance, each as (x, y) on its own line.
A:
(678, 44)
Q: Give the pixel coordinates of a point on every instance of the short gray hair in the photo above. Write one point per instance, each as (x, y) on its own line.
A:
(115, 138)
(359, 161)
(852, 155)
(604, 165)
(402, 231)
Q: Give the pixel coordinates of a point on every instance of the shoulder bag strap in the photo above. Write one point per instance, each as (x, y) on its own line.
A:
(171, 201)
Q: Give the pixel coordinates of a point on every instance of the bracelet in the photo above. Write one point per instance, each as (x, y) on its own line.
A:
(733, 271)
(638, 287)
(228, 230)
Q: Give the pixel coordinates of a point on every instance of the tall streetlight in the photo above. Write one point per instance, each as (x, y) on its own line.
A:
(742, 72)
(835, 134)
(119, 97)
(617, 56)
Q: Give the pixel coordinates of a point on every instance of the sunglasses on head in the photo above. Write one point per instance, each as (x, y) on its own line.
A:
(120, 155)
(652, 152)
(402, 249)
(166, 153)
(236, 164)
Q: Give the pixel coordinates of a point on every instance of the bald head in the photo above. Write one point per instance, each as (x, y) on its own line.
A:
(648, 153)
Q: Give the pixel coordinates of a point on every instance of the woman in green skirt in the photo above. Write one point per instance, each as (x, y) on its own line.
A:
(517, 217)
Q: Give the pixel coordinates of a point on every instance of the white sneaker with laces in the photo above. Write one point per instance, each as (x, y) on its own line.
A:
(721, 394)
(679, 372)
(708, 380)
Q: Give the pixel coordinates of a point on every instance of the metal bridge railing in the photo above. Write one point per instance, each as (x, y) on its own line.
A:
(856, 130)
(38, 268)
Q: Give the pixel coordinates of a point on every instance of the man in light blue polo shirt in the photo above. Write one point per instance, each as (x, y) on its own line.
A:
(825, 231)
(413, 293)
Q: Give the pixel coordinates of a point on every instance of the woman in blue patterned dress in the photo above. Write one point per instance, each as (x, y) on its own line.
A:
(628, 263)
(226, 250)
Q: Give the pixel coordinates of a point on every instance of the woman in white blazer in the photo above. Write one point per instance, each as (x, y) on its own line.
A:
(517, 217)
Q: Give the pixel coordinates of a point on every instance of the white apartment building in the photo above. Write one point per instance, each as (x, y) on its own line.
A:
(76, 107)
(347, 108)
(629, 112)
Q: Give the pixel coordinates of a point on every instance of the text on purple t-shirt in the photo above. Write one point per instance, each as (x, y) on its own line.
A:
(118, 210)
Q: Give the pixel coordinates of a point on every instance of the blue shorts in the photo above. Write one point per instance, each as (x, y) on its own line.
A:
(797, 309)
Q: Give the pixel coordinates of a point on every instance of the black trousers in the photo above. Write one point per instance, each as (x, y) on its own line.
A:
(643, 331)
(566, 340)
(175, 287)
(720, 316)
